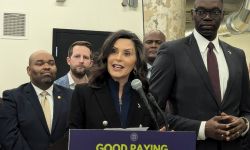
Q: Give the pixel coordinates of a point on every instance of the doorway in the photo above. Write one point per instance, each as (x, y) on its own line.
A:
(63, 38)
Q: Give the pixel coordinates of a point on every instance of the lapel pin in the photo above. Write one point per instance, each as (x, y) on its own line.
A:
(138, 105)
(229, 52)
(59, 97)
(105, 123)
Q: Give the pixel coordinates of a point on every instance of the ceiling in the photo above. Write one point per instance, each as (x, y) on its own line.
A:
(229, 7)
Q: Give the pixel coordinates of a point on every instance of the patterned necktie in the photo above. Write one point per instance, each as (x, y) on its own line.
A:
(46, 108)
(213, 71)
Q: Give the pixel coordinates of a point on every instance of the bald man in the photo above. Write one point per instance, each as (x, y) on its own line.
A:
(30, 120)
(151, 42)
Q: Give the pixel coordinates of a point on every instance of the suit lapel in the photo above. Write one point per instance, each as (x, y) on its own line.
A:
(106, 104)
(135, 107)
(58, 99)
(231, 66)
(196, 58)
(33, 98)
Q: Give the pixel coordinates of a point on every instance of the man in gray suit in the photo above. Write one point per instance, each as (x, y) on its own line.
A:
(206, 80)
(79, 59)
(33, 116)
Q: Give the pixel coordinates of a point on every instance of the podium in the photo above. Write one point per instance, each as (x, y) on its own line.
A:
(81, 139)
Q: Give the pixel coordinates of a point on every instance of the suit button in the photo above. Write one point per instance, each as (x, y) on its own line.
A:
(105, 123)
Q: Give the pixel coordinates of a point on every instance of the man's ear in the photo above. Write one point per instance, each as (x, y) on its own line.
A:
(91, 63)
(192, 14)
(28, 70)
(68, 60)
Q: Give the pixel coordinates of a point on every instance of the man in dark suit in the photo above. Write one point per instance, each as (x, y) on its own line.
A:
(29, 120)
(207, 86)
(151, 43)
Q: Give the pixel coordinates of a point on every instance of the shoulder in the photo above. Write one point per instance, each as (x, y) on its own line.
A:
(231, 49)
(18, 93)
(21, 89)
(85, 87)
(83, 93)
(228, 46)
(62, 89)
(62, 79)
(175, 45)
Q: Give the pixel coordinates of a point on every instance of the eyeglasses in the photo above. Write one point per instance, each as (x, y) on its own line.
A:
(213, 13)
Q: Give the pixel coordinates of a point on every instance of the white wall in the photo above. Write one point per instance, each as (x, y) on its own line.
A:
(44, 15)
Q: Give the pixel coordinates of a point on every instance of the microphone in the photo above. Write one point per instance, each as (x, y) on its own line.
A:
(137, 85)
(153, 101)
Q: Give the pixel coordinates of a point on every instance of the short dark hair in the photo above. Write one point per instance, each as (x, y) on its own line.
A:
(155, 31)
(220, 1)
(80, 43)
(100, 72)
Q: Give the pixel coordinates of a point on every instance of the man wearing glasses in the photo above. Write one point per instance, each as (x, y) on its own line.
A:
(207, 82)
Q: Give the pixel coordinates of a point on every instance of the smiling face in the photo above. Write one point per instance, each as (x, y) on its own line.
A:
(42, 69)
(122, 60)
(208, 24)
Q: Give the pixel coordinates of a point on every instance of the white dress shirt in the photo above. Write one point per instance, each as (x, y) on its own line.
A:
(71, 81)
(149, 70)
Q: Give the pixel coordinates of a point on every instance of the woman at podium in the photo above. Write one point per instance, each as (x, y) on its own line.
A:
(108, 100)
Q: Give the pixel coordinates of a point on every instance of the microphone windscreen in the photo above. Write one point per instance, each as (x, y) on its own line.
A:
(136, 84)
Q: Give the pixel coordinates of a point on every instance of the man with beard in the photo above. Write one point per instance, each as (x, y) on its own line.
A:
(34, 115)
(151, 43)
(79, 59)
(207, 82)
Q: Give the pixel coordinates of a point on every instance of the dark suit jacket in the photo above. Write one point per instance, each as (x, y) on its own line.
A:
(22, 122)
(91, 106)
(179, 74)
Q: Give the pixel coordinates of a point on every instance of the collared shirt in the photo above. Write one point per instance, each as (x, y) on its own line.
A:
(72, 83)
(149, 70)
(49, 97)
(222, 65)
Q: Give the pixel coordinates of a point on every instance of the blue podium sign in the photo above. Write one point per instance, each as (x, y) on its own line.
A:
(81, 139)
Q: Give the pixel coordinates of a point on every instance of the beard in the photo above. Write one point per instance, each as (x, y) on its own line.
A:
(48, 80)
(43, 82)
(79, 72)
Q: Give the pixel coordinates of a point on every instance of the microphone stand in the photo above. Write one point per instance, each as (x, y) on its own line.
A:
(151, 112)
(153, 101)
(137, 86)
